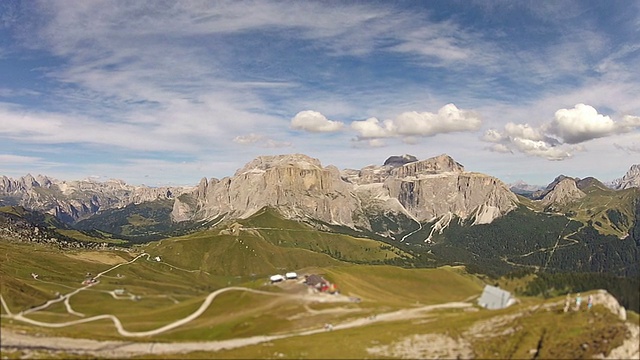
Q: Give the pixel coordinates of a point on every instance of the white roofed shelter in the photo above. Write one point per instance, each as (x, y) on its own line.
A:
(494, 298)
(276, 278)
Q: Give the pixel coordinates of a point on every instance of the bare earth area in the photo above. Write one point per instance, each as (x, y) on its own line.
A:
(97, 256)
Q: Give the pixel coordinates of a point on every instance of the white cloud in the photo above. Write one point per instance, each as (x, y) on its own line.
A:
(248, 139)
(582, 123)
(368, 143)
(448, 119)
(541, 149)
(523, 131)
(500, 148)
(373, 128)
(628, 123)
(493, 136)
(314, 121)
(260, 140)
(569, 127)
(411, 125)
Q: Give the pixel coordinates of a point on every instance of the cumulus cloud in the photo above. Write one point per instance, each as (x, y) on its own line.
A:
(541, 149)
(372, 128)
(448, 119)
(412, 125)
(557, 139)
(580, 124)
(523, 131)
(629, 123)
(314, 121)
(493, 136)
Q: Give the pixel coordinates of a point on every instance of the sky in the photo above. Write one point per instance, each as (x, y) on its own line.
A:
(166, 93)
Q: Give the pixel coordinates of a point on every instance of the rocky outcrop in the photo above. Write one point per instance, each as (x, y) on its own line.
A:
(71, 201)
(395, 161)
(297, 185)
(15, 227)
(439, 186)
(630, 180)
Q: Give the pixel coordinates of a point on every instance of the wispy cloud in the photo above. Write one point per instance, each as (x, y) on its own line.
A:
(261, 141)
(9, 159)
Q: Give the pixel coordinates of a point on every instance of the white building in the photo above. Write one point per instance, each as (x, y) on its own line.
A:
(493, 298)
(276, 278)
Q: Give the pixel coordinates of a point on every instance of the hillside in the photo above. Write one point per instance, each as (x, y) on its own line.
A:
(381, 311)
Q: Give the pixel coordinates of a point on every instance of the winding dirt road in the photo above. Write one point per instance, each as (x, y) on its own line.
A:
(14, 340)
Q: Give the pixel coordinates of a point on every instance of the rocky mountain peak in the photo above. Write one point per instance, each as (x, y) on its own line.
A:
(262, 163)
(395, 161)
(629, 180)
(589, 181)
(564, 192)
(538, 195)
(297, 185)
(435, 165)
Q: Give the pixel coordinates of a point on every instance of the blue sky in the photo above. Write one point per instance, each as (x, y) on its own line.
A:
(165, 93)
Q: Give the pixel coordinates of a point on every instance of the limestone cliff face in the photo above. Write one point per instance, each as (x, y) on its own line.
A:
(71, 201)
(439, 186)
(297, 185)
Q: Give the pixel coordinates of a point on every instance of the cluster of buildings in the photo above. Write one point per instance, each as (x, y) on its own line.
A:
(314, 281)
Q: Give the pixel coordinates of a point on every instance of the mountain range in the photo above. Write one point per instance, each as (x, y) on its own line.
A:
(404, 190)
(434, 209)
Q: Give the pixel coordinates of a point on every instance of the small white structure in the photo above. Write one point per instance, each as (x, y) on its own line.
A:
(118, 291)
(493, 298)
(276, 278)
(291, 276)
(157, 258)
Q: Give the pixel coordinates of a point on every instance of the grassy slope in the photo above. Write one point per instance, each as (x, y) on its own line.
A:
(381, 288)
(509, 333)
(611, 212)
(265, 244)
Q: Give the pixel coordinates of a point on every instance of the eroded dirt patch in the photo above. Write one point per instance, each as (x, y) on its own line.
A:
(98, 256)
(425, 346)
